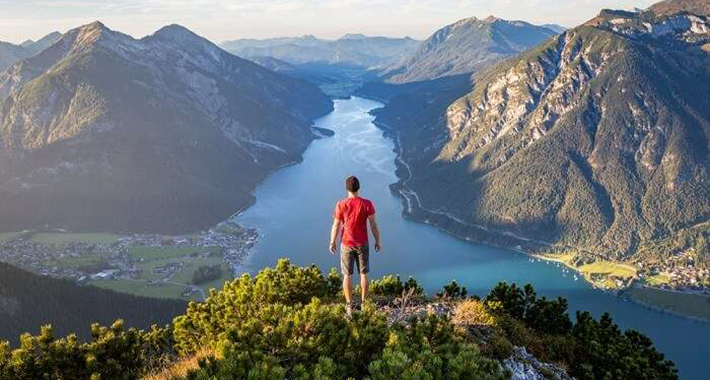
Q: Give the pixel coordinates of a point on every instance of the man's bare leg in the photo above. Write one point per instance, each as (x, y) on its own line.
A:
(364, 286)
(347, 289)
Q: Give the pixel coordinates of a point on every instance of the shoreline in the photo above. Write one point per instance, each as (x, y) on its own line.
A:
(318, 133)
(413, 212)
(413, 208)
(622, 294)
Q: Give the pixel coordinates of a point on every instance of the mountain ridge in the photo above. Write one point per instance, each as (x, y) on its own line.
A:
(139, 138)
(355, 50)
(672, 7)
(465, 47)
(11, 53)
(578, 143)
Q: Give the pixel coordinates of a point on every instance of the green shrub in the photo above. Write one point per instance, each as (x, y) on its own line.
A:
(610, 354)
(335, 281)
(592, 350)
(392, 286)
(430, 349)
(453, 291)
(540, 314)
(498, 347)
(318, 341)
(243, 299)
(112, 353)
(520, 335)
(280, 325)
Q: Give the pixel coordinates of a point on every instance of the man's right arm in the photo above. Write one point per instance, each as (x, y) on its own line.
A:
(334, 236)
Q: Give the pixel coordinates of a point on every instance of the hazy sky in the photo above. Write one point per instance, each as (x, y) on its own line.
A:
(220, 20)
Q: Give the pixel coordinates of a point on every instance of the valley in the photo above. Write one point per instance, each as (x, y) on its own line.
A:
(147, 173)
(156, 266)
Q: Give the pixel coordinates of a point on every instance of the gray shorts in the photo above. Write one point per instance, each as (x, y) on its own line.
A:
(351, 256)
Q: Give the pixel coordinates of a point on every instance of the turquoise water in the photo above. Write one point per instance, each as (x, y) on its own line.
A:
(293, 214)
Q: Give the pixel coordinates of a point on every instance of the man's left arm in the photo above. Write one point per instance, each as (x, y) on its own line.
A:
(375, 228)
(375, 232)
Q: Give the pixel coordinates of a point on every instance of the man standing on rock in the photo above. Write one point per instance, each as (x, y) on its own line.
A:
(352, 214)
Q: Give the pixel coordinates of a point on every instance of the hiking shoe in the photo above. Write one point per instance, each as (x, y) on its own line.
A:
(349, 309)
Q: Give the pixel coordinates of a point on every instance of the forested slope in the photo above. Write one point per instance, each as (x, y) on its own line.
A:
(28, 301)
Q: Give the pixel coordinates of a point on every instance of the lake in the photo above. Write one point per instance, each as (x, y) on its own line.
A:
(294, 209)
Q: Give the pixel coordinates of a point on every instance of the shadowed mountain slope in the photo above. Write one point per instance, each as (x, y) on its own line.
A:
(168, 133)
(28, 301)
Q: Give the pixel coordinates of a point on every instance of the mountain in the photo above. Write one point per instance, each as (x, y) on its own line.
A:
(339, 67)
(246, 43)
(466, 46)
(440, 71)
(36, 47)
(596, 143)
(103, 132)
(354, 50)
(556, 28)
(11, 53)
(28, 301)
(672, 7)
(274, 64)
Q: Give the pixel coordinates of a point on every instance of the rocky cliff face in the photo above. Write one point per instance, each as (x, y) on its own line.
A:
(597, 140)
(167, 133)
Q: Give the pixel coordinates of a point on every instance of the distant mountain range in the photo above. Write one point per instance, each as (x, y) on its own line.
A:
(168, 133)
(28, 301)
(464, 47)
(11, 53)
(554, 27)
(354, 50)
(597, 142)
(274, 64)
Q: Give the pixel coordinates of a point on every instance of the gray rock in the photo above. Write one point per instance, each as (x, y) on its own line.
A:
(524, 366)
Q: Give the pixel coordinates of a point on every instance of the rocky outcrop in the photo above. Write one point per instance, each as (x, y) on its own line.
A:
(524, 366)
(521, 364)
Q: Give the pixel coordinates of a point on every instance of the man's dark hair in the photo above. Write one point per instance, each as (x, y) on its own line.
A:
(352, 184)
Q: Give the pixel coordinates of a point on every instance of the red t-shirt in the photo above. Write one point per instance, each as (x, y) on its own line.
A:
(353, 212)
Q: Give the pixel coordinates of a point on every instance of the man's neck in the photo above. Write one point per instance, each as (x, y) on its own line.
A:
(352, 195)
